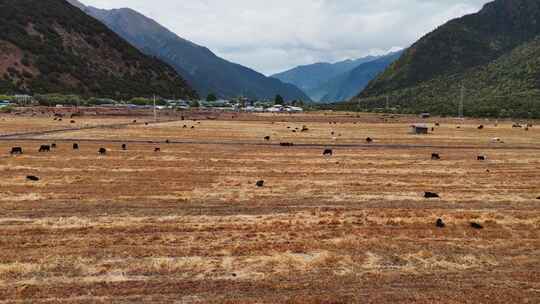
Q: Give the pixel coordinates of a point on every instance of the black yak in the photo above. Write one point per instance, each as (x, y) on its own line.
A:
(431, 195)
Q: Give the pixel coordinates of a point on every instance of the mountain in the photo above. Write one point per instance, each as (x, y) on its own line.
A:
(309, 77)
(330, 82)
(351, 83)
(52, 47)
(205, 71)
(493, 53)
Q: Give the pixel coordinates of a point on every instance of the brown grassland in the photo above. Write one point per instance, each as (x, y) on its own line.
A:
(188, 225)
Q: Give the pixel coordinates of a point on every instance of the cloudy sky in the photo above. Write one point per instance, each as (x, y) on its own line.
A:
(272, 36)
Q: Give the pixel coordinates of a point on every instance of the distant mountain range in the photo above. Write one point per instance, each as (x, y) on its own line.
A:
(327, 82)
(491, 56)
(205, 71)
(309, 77)
(52, 47)
(351, 83)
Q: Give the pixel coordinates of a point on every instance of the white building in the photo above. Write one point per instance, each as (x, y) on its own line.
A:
(22, 99)
(288, 109)
(275, 109)
(253, 109)
(294, 109)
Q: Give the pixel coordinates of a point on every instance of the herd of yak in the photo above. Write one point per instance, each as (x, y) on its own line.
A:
(327, 153)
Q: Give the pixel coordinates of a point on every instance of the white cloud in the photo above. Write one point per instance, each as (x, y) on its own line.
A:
(271, 36)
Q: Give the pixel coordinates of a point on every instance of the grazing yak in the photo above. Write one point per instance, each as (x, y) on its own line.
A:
(267, 138)
(102, 151)
(157, 149)
(481, 158)
(480, 127)
(16, 150)
(435, 156)
(369, 140)
(75, 146)
(53, 146)
(328, 152)
(124, 147)
(476, 226)
(45, 148)
(431, 195)
(260, 184)
(440, 223)
(32, 178)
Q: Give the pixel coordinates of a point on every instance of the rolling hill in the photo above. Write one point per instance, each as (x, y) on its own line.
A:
(52, 47)
(205, 71)
(492, 55)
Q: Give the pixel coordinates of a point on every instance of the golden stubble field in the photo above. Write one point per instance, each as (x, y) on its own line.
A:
(188, 224)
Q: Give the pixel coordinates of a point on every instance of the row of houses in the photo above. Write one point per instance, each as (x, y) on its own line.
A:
(241, 104)
(223, 105)
(17, 99)
(216, 105)
(287, 109)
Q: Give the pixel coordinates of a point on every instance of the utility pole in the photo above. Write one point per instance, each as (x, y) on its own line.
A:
(387, 102)
(155, 113)
(461, 100)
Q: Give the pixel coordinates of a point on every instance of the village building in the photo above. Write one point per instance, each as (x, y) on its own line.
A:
(419, 129)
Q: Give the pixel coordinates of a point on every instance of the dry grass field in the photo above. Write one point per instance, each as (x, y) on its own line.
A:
(189, 225)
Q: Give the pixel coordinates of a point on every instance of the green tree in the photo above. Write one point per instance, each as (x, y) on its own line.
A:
(298, 103)
(140, 101)
(211, 97)
(278, 100)
(58, 99)
(7, 109)
(194, 104)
